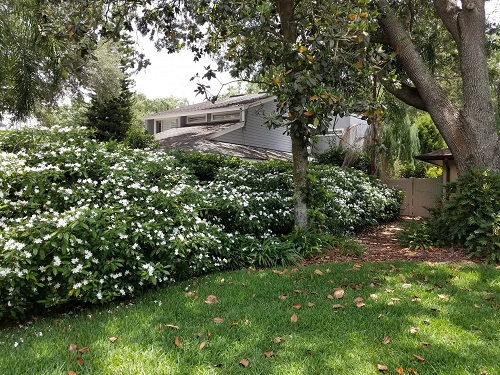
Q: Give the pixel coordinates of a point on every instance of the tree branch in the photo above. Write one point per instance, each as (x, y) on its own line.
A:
(448, 11)
(405, 93)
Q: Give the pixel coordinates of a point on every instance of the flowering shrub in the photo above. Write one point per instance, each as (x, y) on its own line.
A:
(87, 221)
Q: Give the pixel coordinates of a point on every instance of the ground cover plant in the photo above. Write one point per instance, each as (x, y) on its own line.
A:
(91, 222)
(342, 318)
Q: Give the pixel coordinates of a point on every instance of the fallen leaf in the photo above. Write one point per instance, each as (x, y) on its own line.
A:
(338, 306)
(84, 349)
(190, 293)
(211, 299)
(373, 296)
(202, 345)
(382, 367)
(329, 296)
(160, 327)
(403, 278)
(72, 347)
(386, 340)
(268, 353)
(419, 358)
(294, 318)
(424, 344)
(209, 335)
(244, 362)
(443, 296)
(360, 304)
(296, 306)
(297, 291)
(113, 339)
(405, 285)
(177, 341)
(171, 326)
(358, 299)
(218, 320)
(338, 293)
(400, 371)
(395, 299)
(356, 267)
(80, 361)
(310, 304)
(199, 334)
(71, 372)
(282, 296)
(233, 324)
(413, 330)
(390, 303)
(318, 272)
(412, 371)
(484, 372)
(277, 340)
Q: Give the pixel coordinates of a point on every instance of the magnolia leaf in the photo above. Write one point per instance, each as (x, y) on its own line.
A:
(296, 306)
(268, 353)
(71, 372)
(414, 330)
(297, 291)
(360, 304)
(329, 296)
(202, 345)
(72, 347)
(211, 299)
(318, 272)
(338, 293)
(308, 113)
(209, 335)
(374, 296)
(232, 324)
(199, 334)
(80, 361)
(358, 299)
(406, 285)
(413, 372)
(400, 371)
(282, 296)
(338, 306)
(310, 304)
(443, 296)
(395, 299)
(244, 362)
(382, 367)
(419, 358)
(172, 326)
(218, 320)
(386, 340)
(160, 327)
(277, 340)
(424, 344)
(177, 341)
(84, 349)
(113, 339)
(294, 318)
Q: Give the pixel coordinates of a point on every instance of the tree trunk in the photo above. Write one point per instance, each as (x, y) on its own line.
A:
(470, 132)
(301, 180)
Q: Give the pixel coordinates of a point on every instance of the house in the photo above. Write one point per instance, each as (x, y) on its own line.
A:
(444, 159)
(237, 126)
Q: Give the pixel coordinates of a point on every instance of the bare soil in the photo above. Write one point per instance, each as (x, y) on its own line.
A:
(382, 246)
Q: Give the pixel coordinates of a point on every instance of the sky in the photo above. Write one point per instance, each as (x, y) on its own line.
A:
(170, 74)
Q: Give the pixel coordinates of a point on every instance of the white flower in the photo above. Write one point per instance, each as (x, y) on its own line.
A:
(74, 260)
(57, 261)
(57, 286)
(16, 344)
(37, 240)
(88, 254)
(77, 269)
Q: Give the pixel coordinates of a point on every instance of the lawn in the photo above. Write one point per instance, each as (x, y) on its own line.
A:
(341, 318)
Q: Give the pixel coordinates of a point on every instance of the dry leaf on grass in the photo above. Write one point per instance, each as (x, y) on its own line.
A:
(424, 344)
(177, 341)
(419, 358)
(382, 367)
(202, 345)
(338, 293)
(310, 304)
(172, 326)
(268, 353)
(329, 296)
(80, 361)
(244, 362)
(72, 347)
(400, 371)
(294, 318)
(386, 340)
(412, 371)
(84, 349)
(71, 372)
(296, 306)
(218, 320)
(337, 306)
(113, 339)
(318, 272)
(282, 296)
(211, 299)
(374, 296)
(277, 340)
(414, 330)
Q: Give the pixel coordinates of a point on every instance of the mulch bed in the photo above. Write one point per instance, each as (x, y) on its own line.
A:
(382, 246)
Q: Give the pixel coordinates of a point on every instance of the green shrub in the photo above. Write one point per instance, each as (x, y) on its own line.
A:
(469, 215)
(91, 222)
(138, 138)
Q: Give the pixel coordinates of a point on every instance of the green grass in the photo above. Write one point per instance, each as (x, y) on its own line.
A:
(461, 327)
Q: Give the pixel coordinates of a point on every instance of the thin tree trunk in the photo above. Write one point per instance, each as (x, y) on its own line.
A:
(301, 180)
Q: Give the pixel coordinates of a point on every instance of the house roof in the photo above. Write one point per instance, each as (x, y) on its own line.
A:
(436, 155)
(209, 106)
(196, 138)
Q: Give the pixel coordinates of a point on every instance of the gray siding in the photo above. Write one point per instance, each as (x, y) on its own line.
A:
(150, 126)
(255, 133)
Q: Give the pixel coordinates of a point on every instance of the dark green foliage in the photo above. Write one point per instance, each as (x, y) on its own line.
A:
(203, 166)
(111, 118)
(469, 216)
(428, 135)
(137, 137)
(333, 156)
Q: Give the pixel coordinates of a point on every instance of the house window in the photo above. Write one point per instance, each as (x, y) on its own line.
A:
(169, 124)
(158, 126)
(195, 119)
(228, 116)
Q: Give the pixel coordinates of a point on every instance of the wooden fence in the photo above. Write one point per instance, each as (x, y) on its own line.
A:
(420, 193)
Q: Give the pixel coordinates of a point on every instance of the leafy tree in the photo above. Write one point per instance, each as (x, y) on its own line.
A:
(428, 135)
(112, 117)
